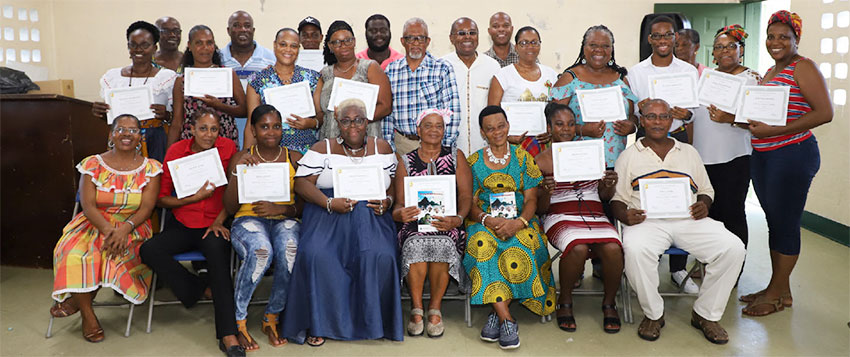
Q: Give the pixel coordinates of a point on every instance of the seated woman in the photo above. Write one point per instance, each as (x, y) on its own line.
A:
(435, 254)
(576, 224)
(264, 232)
(506, 258)
(197, 224)
(100, 246)
(345, 282)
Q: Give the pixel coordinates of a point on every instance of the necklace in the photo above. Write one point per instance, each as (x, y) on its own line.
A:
(351, 157)
(279, 151)
(288, 79)
(146, 77)
(341, 141)
(498, 160)
(336, 67)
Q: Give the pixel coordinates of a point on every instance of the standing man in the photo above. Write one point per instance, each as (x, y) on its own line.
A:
(310, 32)
(378, 38)
(418, 82)
(243, 54)
(473, 74)
(501, 29)
(168, 55)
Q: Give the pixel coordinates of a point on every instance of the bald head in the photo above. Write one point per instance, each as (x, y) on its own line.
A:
(501, 29)
(464, 37)
(500, 16)
(239, 15)
(169, 33)
(240, 27)
(463, 21)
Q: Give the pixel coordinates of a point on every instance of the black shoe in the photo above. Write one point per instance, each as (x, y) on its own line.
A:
(233, 351)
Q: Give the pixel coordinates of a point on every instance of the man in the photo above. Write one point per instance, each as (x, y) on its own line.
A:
(501, 29)
(418, 82)
(473, 74)
(378, 38)
(243, 54)
(310, 32)
(645, 239)
(168, 55)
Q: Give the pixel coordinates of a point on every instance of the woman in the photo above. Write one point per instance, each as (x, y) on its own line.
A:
(142, 38)
(788, 152)
(576, 225)
(596, 68)
(345, 282)
(524, 81)
(340, 60)
(203, 53)
(263, 232)
(506, 259)
(436, 255)
(100, 246)
(298, 133)
(197, 223)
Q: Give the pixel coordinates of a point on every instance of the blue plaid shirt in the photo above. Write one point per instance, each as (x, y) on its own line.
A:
(432, 85)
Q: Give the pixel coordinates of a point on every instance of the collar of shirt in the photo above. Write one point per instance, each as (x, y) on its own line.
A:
(639, 144)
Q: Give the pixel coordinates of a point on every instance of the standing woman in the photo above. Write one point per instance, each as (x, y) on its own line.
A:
(524, 81)
(786, 158)
(298, 133)
(142, 38)
(203, 53)
(341, 62)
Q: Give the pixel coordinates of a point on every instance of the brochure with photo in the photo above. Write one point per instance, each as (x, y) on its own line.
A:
(503, 205)
(430, 204)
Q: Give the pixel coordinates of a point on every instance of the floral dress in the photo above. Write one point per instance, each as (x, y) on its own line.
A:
(293, 139)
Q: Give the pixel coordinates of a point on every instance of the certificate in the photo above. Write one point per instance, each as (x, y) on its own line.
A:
(130, 100)
(578, 160)
(767, 104)
(291, 99)
(720, 89)
(434, 195)
(601, 104)
(525, 117)
(359, 182)
(666, 197)
(217, 82)
(677, 89)
(263, 182)
(345, 89)
(312, 59)
(189, 173)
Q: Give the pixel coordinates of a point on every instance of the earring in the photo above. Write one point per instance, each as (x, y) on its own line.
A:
(339, 140)
(610, 63)
(583, 61)
(110, 144)
(139, 147)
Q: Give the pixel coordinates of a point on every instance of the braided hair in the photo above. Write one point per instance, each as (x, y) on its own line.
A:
(337, 25)
(613, 63)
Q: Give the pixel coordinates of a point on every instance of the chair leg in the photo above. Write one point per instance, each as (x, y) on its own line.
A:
(151, 303)
(129, 320)
(468, 311)
(49, 328)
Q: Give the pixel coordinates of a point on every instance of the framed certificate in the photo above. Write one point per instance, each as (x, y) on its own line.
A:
(525, 117)
(312, 59)
(677, 89)
(217, 82)
(345, 88)
(434, 195)
(601, 104)
(720, 89)
(767, 104)
(189, 173)
(263, 182)
(130, 100)
(291, 99)
(666, 197)
(359, 182)
(578, 160)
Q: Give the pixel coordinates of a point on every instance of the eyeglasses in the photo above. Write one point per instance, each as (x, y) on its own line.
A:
(380, 31)
(731, 47)
(336, 43)
(135, 46)
(532, 43)
(658, 117)
(121, 130)
(358, 122)
(167, 32)
(415, 39)
(666, 36)
(462, 33)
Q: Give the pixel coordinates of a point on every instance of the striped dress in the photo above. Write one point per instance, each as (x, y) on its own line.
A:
(79, 264)
(797, 107)
(576, 216)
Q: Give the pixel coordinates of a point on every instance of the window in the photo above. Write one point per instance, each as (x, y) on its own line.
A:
(826, 46)
(839, 97)
(826, 21)
(826, 70)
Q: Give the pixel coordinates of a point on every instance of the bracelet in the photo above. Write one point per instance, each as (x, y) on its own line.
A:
(484, 218)
(131, 224)
(234, 173)
(391, 199)
(329, 204)
(524, 222)
(317, 123)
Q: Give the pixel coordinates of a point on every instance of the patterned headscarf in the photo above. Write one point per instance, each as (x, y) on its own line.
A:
(788, 18)
(734, 31)
(446, 114)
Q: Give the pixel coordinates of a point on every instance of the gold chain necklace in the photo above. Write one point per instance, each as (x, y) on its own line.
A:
(279, 151)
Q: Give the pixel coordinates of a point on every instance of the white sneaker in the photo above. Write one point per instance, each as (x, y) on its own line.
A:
(690, 286)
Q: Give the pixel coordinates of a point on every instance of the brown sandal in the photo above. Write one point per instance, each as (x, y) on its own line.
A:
(712, 330)
(650, 330)
(94, 336)
(787, 300)
(774, 304)
(270, 329)
(242, 328)
(64, 309)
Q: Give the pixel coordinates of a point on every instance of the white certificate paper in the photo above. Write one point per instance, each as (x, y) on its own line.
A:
(525, 117)
(311, 59)
(130, 100)
(601, 104)
(677, 89)
(359, 182)
(767, 104)
(720, 89)
(345, 89)
(263, 182)
(291, 99)
(217, 82)
(189, 173)
(434, 195)
(578, 160)
(666, 197)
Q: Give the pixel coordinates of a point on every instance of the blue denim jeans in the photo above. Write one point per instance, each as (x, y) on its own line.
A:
(259, 242)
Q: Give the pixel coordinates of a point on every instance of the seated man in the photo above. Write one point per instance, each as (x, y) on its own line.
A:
(654, 156)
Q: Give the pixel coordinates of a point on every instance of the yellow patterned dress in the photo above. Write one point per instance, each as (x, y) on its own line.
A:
(516, 268)
(79, 264)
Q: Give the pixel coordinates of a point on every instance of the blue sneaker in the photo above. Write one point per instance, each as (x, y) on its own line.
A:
(490, 332)
(509, 336)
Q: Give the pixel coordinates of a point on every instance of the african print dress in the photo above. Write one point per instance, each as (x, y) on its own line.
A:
(516, 268)
(79, 264)
(294, 139)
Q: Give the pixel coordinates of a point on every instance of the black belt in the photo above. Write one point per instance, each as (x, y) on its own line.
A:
(411, 137)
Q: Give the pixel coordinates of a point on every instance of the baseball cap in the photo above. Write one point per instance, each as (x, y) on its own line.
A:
(309, 20)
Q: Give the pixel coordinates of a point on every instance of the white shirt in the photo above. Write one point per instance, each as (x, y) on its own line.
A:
(720, 143)
(518, 89)
(639, 79)
(473, 84)
(161, 84)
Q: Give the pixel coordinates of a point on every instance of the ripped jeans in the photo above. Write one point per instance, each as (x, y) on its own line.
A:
(259, 242)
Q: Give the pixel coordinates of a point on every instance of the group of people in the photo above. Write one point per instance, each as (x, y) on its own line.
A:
(338, 264)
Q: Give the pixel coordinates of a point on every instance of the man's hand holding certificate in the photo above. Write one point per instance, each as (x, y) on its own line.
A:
(190, 173)
(359, 182)
(767, 104)
(666, 197)
(131, 100)
(602, 104)
(525, 117)
(311, 59)
(217, 82)
(578, 160)
(263, 182)
(345, 88)
(721, 90)
(291, 99)
(677, 89)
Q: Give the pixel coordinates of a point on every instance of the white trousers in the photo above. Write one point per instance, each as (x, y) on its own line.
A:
(706, 239)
